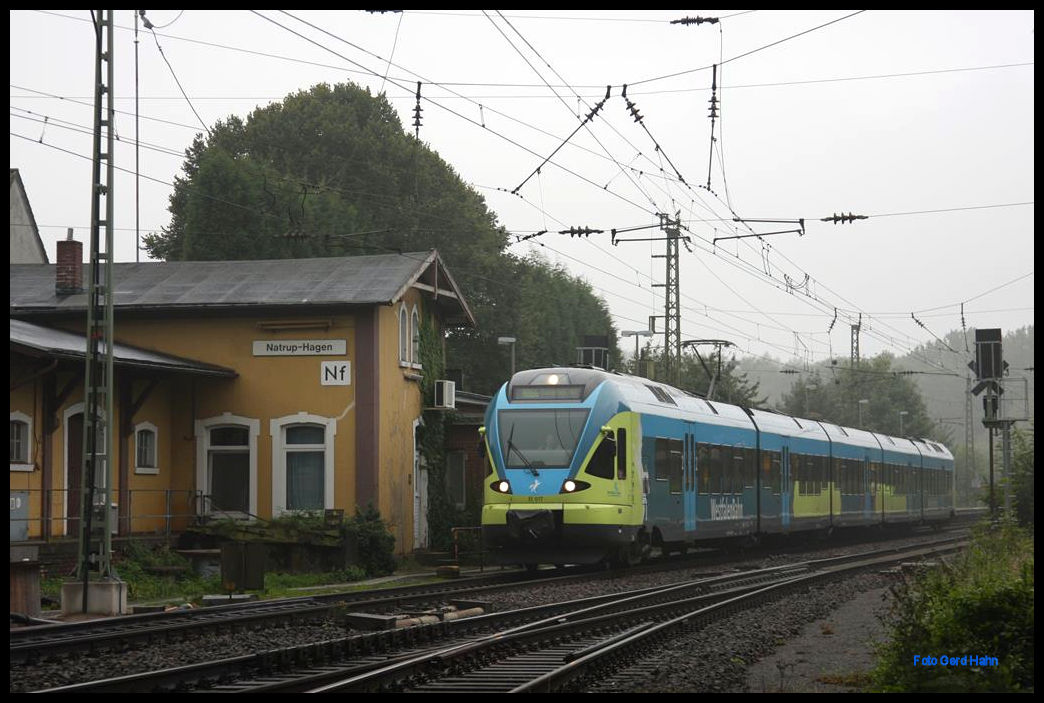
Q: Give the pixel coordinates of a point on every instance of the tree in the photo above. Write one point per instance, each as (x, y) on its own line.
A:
(1022, 479)
(834, 395)
(331, 172)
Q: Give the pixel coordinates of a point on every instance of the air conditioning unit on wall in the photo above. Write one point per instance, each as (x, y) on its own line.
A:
(445, 394)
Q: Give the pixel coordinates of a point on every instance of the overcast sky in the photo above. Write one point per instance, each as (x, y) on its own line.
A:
(922, 121)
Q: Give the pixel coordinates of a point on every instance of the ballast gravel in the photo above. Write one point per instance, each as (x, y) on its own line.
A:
(715, 659)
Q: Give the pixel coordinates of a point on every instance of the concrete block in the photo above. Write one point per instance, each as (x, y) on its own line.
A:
(227, 599)
(104, 597)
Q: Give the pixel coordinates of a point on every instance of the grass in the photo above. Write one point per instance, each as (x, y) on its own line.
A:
(134, 561)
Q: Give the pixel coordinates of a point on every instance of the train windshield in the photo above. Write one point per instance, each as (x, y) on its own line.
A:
(531, 439)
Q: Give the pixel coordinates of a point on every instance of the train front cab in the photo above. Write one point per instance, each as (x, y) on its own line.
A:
(578, 503)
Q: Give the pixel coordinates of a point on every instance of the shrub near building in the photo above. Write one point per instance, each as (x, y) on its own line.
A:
(965, 626)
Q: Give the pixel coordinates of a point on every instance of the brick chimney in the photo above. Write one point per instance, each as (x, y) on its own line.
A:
(69, 277)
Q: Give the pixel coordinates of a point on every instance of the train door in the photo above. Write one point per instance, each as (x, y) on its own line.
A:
(689, 483)
(785, 499)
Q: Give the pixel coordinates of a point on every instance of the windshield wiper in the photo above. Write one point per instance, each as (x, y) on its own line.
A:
(512, 447)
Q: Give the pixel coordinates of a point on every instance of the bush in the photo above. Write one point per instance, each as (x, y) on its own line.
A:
(134, 560)
(375, 544)
(981, 605)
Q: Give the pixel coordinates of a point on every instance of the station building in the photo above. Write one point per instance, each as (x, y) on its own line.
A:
(245, 389)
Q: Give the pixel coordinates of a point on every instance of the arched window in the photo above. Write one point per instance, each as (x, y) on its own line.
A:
(302, 462)
(20, 452)
(145, 451)
(415, 329)
(226, 464)
(404, 336)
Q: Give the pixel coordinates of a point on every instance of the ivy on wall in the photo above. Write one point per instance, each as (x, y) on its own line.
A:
(431, 437)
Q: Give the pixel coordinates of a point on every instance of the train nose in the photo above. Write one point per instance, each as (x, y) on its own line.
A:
(530, 525)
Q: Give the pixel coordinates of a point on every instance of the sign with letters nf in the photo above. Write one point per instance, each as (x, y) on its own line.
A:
(300, 347)
(335, 373)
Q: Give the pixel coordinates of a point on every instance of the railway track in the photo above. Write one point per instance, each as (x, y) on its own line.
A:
(553, 657)
(442, 656)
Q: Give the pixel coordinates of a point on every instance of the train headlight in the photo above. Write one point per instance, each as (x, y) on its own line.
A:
(501, 487)
(572, 486)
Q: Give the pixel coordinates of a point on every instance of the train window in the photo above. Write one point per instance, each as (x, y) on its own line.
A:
(674, 484)
(539, 438)
(744, 459)
(772, 474)
(601, 464)
(703, 468)
(662, 469)
(621, 453)
(718, 477)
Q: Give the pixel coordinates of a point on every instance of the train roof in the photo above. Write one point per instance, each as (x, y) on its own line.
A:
(649, 395)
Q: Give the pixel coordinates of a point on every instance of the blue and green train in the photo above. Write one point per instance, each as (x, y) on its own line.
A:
(587, 465)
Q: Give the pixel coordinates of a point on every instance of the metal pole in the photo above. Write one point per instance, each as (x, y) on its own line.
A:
(512, 359)
(1006, 458)
(993, 508)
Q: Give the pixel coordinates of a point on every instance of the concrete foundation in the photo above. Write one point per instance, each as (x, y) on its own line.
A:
(25, 585)
(108, 597)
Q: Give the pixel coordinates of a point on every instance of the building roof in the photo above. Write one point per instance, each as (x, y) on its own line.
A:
(37, 340)
(27, 234)
(227, 285)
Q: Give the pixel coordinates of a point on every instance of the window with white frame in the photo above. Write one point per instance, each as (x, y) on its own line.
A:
(20, 451)
(302, 462)
(404, 336)
(415, 334)
(145, 450)
(455, 479)
(305, 448)
(228, 463)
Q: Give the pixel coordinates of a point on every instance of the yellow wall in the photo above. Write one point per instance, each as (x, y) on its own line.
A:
(400, 407)
(26, 399)
(267, 387)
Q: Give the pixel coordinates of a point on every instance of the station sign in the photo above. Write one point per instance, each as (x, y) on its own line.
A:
(300, 347)
(335, 373)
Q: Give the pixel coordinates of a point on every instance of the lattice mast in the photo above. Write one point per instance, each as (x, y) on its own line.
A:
(96, 481)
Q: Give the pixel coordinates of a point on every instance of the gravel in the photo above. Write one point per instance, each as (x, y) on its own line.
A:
(716, 659)
(724, 656)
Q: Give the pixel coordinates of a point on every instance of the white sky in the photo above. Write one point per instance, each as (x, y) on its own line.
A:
(883, 113)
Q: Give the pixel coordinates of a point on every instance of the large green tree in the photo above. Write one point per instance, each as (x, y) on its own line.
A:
(331, 172)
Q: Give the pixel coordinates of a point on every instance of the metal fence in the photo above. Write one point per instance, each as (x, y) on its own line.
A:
(148, 512)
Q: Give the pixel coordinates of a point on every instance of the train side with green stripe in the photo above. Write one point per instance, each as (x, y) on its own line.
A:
(587, 465)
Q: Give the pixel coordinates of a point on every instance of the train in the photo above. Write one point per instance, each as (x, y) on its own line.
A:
(587, 466)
